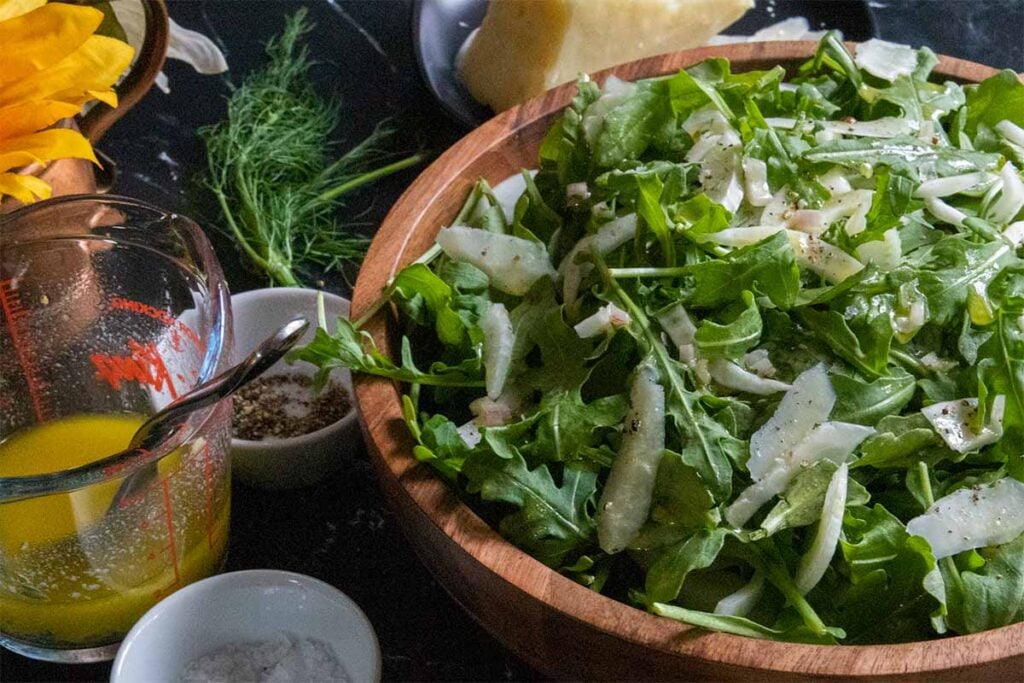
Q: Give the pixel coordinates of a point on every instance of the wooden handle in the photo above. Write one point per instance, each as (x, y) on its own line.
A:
(140, 76)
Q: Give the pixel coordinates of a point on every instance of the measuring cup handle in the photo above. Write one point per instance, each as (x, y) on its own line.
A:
(141, 74)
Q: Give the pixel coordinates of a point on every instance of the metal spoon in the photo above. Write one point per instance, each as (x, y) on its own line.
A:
(165, 422)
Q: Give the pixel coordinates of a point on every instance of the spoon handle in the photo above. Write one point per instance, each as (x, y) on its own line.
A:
(172, 416)
(166, 421)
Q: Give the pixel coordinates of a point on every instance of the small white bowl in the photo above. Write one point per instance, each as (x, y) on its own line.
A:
(251, 605)
(299, 460)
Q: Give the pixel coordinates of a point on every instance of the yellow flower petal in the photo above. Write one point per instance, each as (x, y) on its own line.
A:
(92, 68)
(25, 188)
(15, 8)
(23, 118)
(43, 37)
(44, 146)
(105, 96)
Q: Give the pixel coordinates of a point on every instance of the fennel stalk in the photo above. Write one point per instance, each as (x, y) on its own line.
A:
(270, 168)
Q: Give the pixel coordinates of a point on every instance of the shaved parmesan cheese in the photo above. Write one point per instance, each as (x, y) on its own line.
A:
(932, 361)
(577, 192)
(828, 261)
(886, 60)
(720, 176)
(884, 253)
(626, 499)
(740, 603)
(706, 120)
(1014, 233)
(513, 264)
(975, 517)
(886, 127)
(944, 212)
(810, 221)
(1011, 201)
(741, 237)
(760, 362)
(490, 412)
(944, 187)
(833, 441)
(732, 376)
(777, 209)
(812, 253)
(1011, 131)
(954, 422)
(836, 182)
(807, 403)
(606, 319)
(607, 239)
(823, 547)
(677, 324)
(508, 191)
(755, 176)
(470, 434)
(853, 205)
(498, 343)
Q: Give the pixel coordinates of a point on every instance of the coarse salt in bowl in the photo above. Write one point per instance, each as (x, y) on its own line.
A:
(210, 626)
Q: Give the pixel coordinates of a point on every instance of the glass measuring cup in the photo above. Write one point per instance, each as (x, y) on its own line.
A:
(109, 309)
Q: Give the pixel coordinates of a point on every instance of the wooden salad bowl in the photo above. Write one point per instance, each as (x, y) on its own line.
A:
(556, 625)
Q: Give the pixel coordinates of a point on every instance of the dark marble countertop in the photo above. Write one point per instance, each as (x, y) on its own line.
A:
(340, 530)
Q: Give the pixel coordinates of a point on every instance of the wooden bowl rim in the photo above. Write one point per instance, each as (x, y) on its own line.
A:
(379, 406)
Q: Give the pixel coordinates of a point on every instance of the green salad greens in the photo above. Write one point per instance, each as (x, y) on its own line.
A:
(747, 352)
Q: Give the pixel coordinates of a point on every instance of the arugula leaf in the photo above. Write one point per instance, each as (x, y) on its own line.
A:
(734, 338)
(567, 424)
(533, 218)
(995, 99)
(901, 442)
(831, 327)
(1001, 363)
(803, 499)
(345, 349)
(538, 323)
(954, 264)
(648, 208)
(565, 146)
(552, 522)
(687, 92)
(680, 497)
(741, 626)
(768, 267)
(904, 155)
(423, 295)
(666, 576)
(440, 444)
(865, 402)
(886, 600)
(702, 215)
(992, 595)
(629, 128)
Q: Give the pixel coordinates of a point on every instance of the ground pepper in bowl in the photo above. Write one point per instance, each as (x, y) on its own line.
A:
(288, 405)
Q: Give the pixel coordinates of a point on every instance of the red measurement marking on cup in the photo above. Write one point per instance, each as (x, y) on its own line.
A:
(16, 313)
(143, 364)
(119, 303)
(172, 546)
(208, 485)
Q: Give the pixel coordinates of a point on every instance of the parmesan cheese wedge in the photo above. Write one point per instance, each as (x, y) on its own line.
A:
(524, 48)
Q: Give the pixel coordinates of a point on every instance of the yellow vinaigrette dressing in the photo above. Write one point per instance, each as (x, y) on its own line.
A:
(75, 573)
